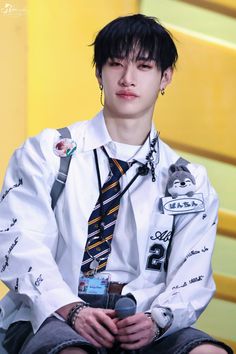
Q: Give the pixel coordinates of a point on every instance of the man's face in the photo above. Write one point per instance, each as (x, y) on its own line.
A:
(131, 86)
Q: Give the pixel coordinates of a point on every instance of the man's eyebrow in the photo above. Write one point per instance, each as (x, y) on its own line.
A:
(116, 57)
(143, 58)
(137, 58)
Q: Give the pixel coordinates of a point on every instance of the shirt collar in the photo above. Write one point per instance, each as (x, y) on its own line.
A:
(96, 135)
(145, 149)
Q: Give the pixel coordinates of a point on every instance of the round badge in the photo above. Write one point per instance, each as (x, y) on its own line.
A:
(64, 147)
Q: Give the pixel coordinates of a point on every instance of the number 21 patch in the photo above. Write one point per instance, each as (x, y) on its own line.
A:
(161, 232)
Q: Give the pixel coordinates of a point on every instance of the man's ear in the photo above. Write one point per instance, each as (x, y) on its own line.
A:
(98, 76)
(166, 77)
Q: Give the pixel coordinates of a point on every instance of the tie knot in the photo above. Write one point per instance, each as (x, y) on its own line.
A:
(118, 167)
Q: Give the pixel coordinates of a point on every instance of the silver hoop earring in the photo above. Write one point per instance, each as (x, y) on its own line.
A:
(101, 94)
(162, 91)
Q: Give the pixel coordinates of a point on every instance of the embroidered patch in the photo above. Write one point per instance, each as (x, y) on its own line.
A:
(17, 285)
(190, 281)
(39, 280)
(14, 186)
(158, 242)
(156, 258)
(11, 225)
(7, 256)
(195, 252)
(64, 147)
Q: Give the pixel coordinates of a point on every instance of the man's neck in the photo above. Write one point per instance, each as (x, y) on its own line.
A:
(128, 130)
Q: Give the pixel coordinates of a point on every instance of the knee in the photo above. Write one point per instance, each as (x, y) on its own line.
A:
(73, 350)
(208, 349)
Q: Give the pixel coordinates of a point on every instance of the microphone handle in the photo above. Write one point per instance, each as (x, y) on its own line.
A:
(126, 307)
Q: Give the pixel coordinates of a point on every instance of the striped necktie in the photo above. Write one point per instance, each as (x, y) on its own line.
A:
(102, 221)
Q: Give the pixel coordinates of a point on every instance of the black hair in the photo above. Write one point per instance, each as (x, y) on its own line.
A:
(137, 33)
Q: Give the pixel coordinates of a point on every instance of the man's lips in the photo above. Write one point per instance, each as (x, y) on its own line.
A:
(126, 94)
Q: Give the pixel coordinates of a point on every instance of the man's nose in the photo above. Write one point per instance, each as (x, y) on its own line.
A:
(128, 76)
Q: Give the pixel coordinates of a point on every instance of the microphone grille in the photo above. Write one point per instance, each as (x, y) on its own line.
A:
(125, 307)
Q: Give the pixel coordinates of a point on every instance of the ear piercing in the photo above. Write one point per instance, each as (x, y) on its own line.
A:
(101, 94)
(162, 91)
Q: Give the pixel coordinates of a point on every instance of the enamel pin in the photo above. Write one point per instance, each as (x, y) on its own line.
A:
(64, 147)
(181, 197)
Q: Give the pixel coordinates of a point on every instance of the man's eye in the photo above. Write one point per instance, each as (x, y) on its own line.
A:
(145, 66)
(115, 63)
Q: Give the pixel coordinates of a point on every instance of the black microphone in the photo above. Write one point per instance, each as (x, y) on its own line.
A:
(125, 307)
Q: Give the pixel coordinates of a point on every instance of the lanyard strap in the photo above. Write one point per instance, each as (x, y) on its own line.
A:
(141, 171)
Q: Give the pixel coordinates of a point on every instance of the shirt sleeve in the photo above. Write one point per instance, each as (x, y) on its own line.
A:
(189, 282)
(28, 230)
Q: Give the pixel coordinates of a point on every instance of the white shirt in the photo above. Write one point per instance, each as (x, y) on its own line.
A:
(41, 250)
(124, 266)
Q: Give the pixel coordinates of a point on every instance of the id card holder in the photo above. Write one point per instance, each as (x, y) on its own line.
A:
(97, 284)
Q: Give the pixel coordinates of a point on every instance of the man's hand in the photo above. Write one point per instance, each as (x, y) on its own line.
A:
(135, 332)
(97, 326)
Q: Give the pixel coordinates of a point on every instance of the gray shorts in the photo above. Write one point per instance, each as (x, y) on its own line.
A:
(55, 335)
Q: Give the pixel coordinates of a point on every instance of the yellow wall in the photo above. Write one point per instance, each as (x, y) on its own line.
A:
(229, 3)
(47, 79)
(13, 79)
(62, 85)
(205, 87)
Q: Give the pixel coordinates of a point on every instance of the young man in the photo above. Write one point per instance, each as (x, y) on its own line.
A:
(119, 225)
